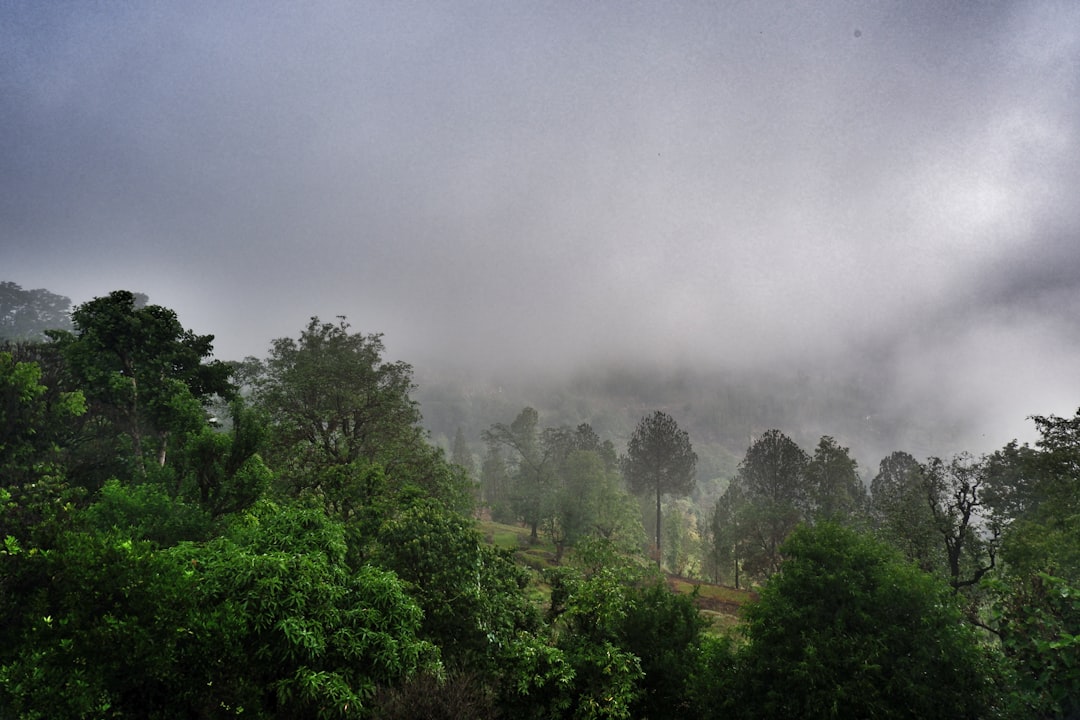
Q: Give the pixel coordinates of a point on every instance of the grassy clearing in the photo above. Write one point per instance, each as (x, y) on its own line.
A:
(719, 603)
(712, 594)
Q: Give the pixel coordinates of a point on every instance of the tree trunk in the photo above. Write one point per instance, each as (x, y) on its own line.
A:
(659, 532)
(136, 430)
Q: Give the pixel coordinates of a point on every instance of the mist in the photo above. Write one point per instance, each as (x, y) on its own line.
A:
(872, 193)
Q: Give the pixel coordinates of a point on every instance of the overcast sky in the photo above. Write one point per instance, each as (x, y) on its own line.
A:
(720, 184)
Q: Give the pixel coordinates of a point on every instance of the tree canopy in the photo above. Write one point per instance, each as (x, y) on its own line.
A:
(142, 372)
(171, 548)
(847, 629)
(772, 483)
(26, 315)
(660, 460)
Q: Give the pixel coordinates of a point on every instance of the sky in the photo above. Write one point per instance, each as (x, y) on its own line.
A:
(856, 187)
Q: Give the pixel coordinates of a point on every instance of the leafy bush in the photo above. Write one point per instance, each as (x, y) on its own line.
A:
(664, 631)
(847, 629)
(1039, 621)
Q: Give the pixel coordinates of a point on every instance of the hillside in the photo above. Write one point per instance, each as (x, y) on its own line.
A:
(721, 411)
(720, 603)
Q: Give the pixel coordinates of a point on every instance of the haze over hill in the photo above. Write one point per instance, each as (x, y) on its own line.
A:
(872, 197)
(722, 411)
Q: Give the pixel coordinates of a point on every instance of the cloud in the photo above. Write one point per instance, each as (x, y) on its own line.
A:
(551, 186)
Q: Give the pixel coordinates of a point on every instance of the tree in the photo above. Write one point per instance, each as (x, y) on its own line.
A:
(460, 454)
(142, 372)
(677, 537)
(664, 630)
(471, 594)
(771, 478)
(29, 423)
(955, 493)
(616, 514)
(25, 315)
(532, 475)
(224, 469)
(901, 513)
(848, 629)
(461, 457)
(586, 496)
(574, 501)
(1034, 496)
(495, 484)
(834, 490)
(588, 499)
(90, 628)
(268, 619)
(729, 534)
(333, 400)
(589, 604)
(336, 408)
(659, 460)
(33, 422)
(1036, 616)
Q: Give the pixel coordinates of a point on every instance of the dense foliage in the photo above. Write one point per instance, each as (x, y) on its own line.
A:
(26, 315)
(279, 538)
(847, 629)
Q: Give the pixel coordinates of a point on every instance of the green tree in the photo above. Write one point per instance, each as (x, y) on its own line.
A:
(333, 400)
(532, 474)
(471, 594)
(901, 513)
(584, 494)
(589, 604)
(268, 620)
(91, 629)
(223, 470)
(677, 539)
(589, 500)
(664, 630)
(33, 484)
(145, 512)
(772, 481)
(659, 460)
(575, 500)
(1036, 617)
(835, 491)
(495, 483)
(848, 629)
(302, 631)
(142, 372)
(30, 425)
(729, 533)
(461, 455)
(616, 514)
(26, 315)
(1034, 496)
(711, 683)
(336, 408)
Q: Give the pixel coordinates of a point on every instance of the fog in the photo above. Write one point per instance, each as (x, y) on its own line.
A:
(875, 190)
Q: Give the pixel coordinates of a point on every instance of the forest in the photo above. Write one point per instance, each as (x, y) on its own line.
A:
(287, 537)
